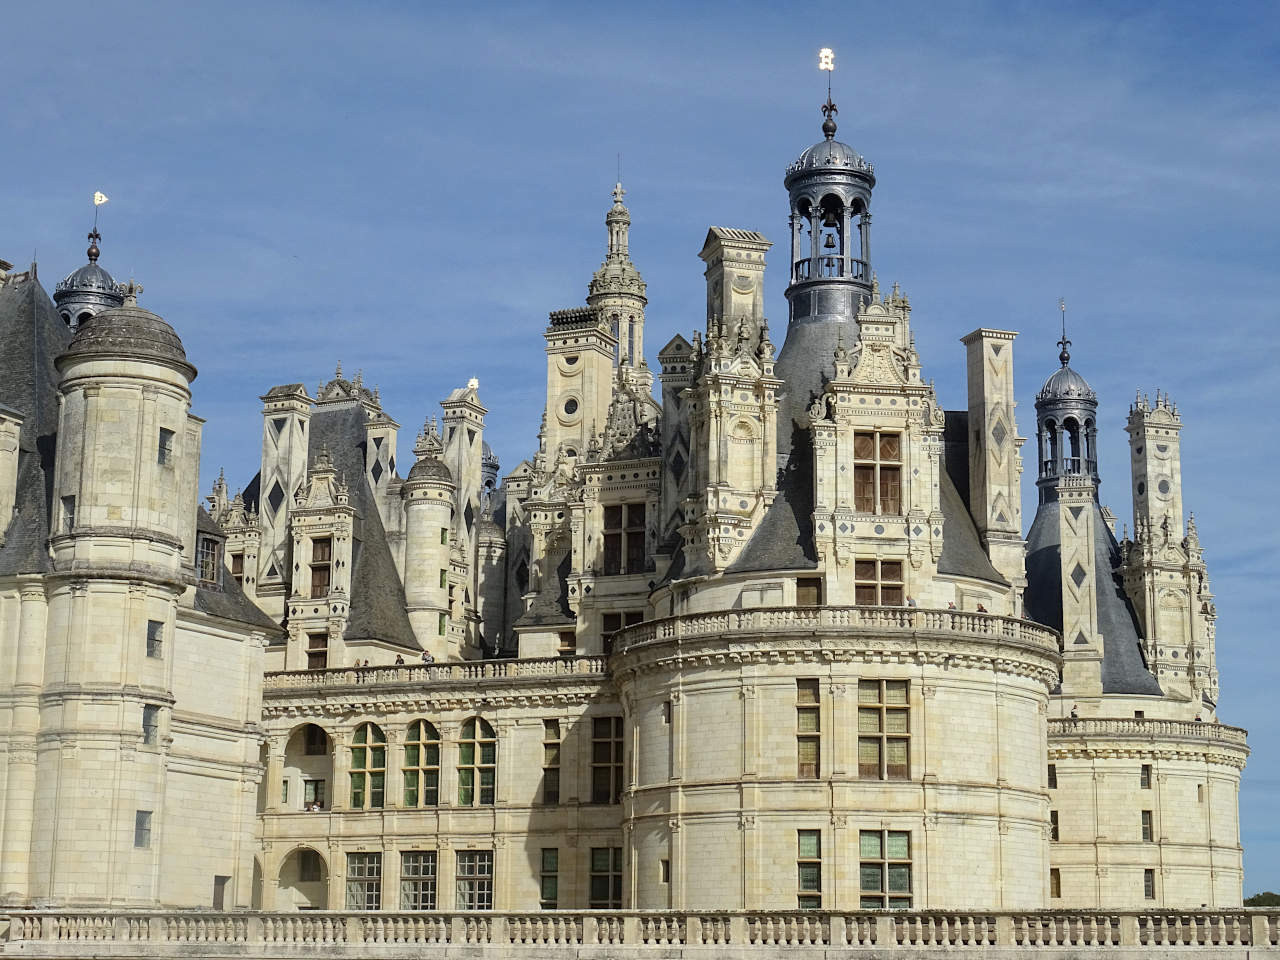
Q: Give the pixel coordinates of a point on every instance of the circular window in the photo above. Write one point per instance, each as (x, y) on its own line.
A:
(571, 406)
(571, 360)
(1163, 486)
(1142, 488)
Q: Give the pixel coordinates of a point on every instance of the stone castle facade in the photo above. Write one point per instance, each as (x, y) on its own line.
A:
(777, 640)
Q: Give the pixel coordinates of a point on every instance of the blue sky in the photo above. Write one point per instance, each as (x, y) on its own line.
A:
(409, 188)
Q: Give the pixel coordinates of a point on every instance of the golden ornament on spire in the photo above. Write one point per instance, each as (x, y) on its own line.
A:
(826, 59)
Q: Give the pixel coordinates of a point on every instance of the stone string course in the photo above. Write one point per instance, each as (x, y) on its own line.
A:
(626, 934)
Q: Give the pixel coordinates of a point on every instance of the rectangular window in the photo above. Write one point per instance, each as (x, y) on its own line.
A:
(155, 639)
(418, 880)
(568, 643)
(150, 723)
(1199, 793)
(310, 866)
(313, 794)
(878, 583)
(877, 473)
(624, 539)
(444, 579)
(444, 536)
(475, 880)
(321, 566)
(549, 879)
(208, 559)
(1053, 824)
(142, 828)
(664, 871)
(606, 760)
(884, 869)
(1149, 884)
(237, 568)
(317, 651)
(284, 791)
(551, 762)
(1139, 714)
(1144, 777)
(1148, 831)
(220, 885)
(68, 514)
(1053, 776)
(809, 869)
(442, 624)
(164, 449)
(610, 624)
(364, 881)
(808, 730)
(1055, 883)
(808, 591)
(883, 730)
(606, 878)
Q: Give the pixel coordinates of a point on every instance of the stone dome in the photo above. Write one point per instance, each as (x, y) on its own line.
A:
(829, 155)
(1065, 384)
(128, 333)
(429, 468)
(90, 278)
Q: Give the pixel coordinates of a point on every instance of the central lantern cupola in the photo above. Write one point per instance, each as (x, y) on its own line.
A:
(829, 186)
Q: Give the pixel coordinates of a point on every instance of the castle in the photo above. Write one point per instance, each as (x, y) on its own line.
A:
(777, 641)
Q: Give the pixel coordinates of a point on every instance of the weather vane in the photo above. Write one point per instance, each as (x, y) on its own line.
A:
(827, 62)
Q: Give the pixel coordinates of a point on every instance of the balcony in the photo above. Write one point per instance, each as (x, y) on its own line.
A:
(829, 268)
(425, 673)
(877, 622)
(1057, 934)
(1140, 728)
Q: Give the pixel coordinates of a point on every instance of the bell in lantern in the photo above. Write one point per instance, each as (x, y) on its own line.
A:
(830, 242)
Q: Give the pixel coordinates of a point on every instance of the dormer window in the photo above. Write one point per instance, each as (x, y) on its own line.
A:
(321, 566)
(208, 558)
(877, 473)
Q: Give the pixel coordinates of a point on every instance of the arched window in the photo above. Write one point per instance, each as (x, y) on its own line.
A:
(1071, 434)
(1053, 465)
(368, 767)
(477, 764)
(743, 460)
(421, 765)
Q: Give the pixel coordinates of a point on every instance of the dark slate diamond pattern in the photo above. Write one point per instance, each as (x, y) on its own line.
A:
(275, 497)
(1078, 575)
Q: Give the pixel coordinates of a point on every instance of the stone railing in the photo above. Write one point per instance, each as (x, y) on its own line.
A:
(624, 933)
(462, 671)
(879, 621)
(1142, 728)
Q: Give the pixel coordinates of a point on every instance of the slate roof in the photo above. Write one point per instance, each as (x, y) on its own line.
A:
(1124, 668)
(228, 602)
(377, 609)
(31, 336)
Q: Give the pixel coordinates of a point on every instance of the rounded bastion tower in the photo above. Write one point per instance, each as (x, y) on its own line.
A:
(122, 548)
(850, 714)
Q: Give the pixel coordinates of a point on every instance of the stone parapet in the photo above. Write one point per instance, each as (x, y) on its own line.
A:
(624, 934)
(426, 673)
(1144, 729)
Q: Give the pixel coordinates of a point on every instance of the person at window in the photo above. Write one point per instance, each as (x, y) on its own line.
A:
(427, 657)
(981, 608)
(911, 602)
(1075, 714)
(951, 604)
(399, 660)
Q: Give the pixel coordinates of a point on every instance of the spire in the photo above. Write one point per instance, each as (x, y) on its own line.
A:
(618, 224)
(1065, 355)
(827, 62)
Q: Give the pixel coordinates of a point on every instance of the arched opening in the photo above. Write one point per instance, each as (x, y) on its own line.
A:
(615, 327)
(304, 881)
(85, 317)
(830, 225)
(421, 772)
(1091, 446)
(1071, 429)
(477, 764)
(744, 464)
(263, 757)
(1052, 461)
(801, 239)
(255, 893)
(368, 767)
(308, 770)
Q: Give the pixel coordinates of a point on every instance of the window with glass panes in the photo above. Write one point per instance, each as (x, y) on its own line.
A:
(155, 639)
(208, 559)
(477, 764)
(474, 876)
(421, 769)
(418, 880)
(884, 869)
(1053, 825)
(321, 566)
(624, 529)
(883, 738)
(313, 793)
(317, 651)
(878, 583)
(877, 473)
(1055, 883)
(150, 723)
(237, 568)
(551, 762)
(606, 878)
(364, 881)
(606, 760)
(368, 767)
(1148, 829)
(1149, 884)
(809, 869)
(808, 730)
(1144, 777)
(549, 879)
(611, 623)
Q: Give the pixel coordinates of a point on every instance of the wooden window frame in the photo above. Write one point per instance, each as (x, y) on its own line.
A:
(877, 576)
(624, 538)
(809, 870)
(477, 735)
(808, 728)
(887, 735)
(420, 769)
(364, 881)
(367, 773)
(419, 871)
(473, 876)
(552, 746)
(884, 862)
(549, 878)
(881, 469)
(317, 651)
(321, 567)
(604, 879)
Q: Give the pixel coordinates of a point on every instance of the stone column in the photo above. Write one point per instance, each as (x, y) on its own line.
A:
(20, 784)
(864, 229)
